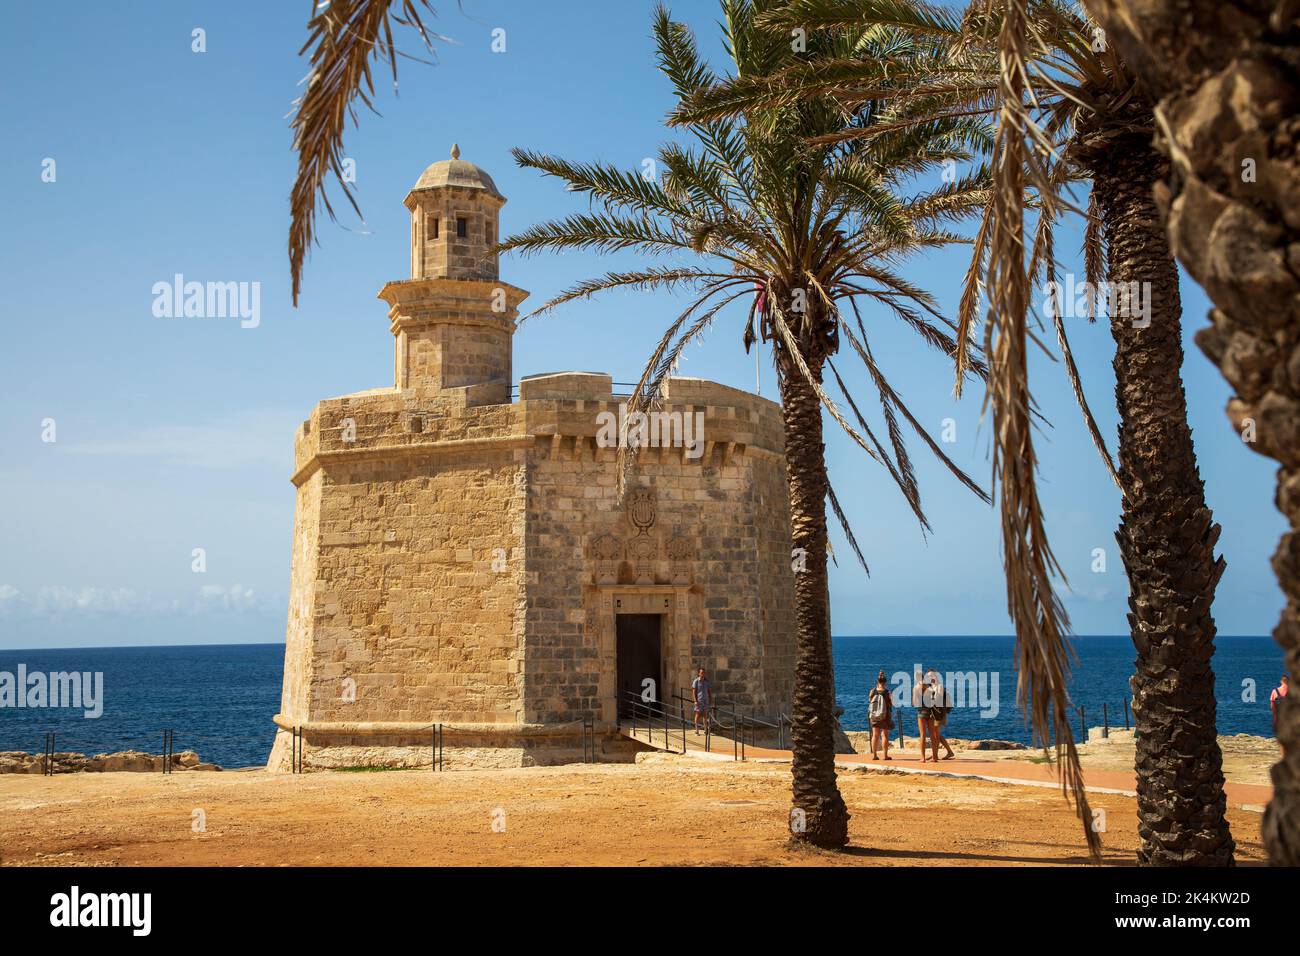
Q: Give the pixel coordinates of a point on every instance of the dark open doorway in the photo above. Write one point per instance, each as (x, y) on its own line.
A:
(639, 656)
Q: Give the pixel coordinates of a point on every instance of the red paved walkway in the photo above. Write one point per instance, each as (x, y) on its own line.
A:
(968, 764)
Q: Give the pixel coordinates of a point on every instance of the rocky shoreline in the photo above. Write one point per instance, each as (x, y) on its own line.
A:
(123, 761)
(861, 742)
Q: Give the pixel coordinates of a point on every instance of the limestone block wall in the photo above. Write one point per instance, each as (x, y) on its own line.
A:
(302, 600)
(416, 596)
(716, 562)
(409, 525)
(450, 254)
(451, 356)
(451, 333)
(460, 559)
(771, 492)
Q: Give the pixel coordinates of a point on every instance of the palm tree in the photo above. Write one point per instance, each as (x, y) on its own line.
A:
(1089, 121)
(803, 234)
(1102, 127)
(1223, 77)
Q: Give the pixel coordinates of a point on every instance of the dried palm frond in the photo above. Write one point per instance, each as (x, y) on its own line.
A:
(1041, 622)
(344, 37)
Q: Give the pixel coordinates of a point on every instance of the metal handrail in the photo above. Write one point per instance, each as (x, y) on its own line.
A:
(739, 724)
(653, 710)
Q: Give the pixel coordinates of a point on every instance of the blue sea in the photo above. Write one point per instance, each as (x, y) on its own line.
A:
(219, 699)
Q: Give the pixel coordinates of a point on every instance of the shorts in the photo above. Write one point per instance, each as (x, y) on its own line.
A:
(882, 723)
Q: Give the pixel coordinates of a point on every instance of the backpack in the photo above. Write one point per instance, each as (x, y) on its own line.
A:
(878, 704)
(942, 704)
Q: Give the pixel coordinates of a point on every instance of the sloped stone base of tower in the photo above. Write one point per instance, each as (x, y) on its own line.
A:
(462, 750)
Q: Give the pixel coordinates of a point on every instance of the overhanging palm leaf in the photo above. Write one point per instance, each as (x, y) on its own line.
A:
(345, 37)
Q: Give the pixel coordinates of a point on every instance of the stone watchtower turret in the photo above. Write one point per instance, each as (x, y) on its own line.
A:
(453, 318)
(464, 560)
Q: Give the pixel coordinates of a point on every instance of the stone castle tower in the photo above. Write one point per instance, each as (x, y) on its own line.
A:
(461, 556)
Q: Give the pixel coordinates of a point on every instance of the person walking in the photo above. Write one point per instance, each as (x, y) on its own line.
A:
(703, 695)
(940, 708)
(880, 714)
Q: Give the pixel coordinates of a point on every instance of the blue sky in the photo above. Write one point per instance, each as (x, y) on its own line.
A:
(174, 434)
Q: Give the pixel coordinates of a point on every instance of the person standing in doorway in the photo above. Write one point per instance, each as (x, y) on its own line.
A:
(703, 695)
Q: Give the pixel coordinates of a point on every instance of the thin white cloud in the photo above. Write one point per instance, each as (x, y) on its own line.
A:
(234, 598)
(253, 438)
(58, 601)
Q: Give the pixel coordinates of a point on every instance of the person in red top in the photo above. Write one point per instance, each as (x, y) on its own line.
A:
(1281, 690)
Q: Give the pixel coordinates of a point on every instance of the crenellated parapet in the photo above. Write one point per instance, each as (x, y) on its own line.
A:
(569, 415)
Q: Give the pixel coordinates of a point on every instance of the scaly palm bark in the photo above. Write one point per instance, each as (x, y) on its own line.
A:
(1167, 533)
(825, 819)
(1228, 108)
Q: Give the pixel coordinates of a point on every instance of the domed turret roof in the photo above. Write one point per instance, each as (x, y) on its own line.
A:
(456, 172)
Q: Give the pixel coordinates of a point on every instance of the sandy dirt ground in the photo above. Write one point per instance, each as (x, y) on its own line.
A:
(664, 810)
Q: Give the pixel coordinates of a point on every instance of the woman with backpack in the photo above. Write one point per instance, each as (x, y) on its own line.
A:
(880, 714)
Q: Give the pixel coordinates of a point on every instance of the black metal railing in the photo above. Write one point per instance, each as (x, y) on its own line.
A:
(614, 387)
(683, 709)
(169, 748)
(747, 725)
(296, 757)
(435, 762)
(653, 716)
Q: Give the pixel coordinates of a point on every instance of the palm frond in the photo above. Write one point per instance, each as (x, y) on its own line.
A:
(345, 37)
(906, 483)
(845, 527)
(822, 14)
(644, 279)
(598, 232)
(1041, 623)
(614, 188)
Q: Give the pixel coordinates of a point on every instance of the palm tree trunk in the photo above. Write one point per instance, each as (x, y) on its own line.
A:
(1226, 78)
(819, 815)
(1167, 533)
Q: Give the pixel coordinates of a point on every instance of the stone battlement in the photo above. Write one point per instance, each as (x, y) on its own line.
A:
(570, 410)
